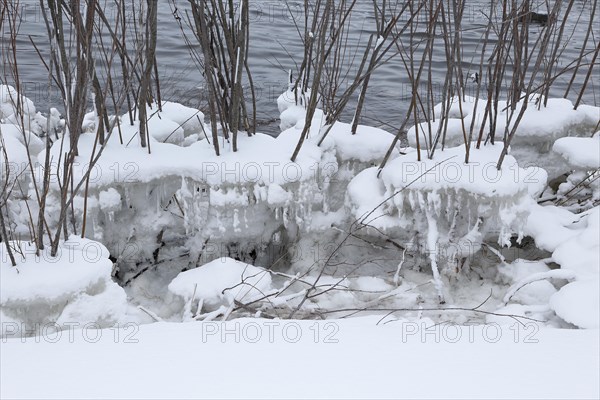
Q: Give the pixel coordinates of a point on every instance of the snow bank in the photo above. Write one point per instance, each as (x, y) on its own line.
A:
(73, 287)
(580, 153)
(575, 245)
(540, 125)
(261, 158)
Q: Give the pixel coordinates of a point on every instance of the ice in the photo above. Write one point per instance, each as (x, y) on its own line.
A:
(75, 286)
(109, 199)
(182, 207)
(448, 191)
(278, 196)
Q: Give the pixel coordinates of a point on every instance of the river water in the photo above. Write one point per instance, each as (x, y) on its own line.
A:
(275, 47)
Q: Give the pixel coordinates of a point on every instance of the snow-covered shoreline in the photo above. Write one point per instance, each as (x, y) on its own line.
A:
(257, 206)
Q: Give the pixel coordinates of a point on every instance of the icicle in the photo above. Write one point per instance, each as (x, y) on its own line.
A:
(285, 217)
(432, 242)
(397, 275)
(236, 221)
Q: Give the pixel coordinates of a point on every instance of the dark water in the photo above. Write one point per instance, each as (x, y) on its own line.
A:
(275, 47)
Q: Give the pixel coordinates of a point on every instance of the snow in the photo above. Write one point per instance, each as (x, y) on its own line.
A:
(291, 98)
(82, 262)
(366, 193)
(581, 253)
(393, 360)
(521, 269)
(539, 125)
(291, 116)
(447, 169)
(550, 226)
(369, 144)
(580, 153)
(222, 281)
(74, 287)
(579, 303)
(575, 245)
(278, 196)
(190, 119)
(370, 284)
(17, 109)
(261, 158)
(26, 138)
(10, 99)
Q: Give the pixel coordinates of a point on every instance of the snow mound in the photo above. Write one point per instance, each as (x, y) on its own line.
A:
(10, 100)
(581, 253)
(579, 304)
(292, 98)
(292, 116)
(574, 241)
(16, 109)
(26, 138)
(190, 119)
(520, 269)
(550, 226)
(580, 153)
(173, 123)
(369, 144)
(221, 282)
(74, 287)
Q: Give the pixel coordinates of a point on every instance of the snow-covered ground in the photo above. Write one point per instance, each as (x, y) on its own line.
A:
(350, 358)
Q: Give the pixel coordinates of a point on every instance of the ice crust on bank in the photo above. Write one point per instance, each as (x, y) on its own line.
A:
(74, 287)
(445, 187)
